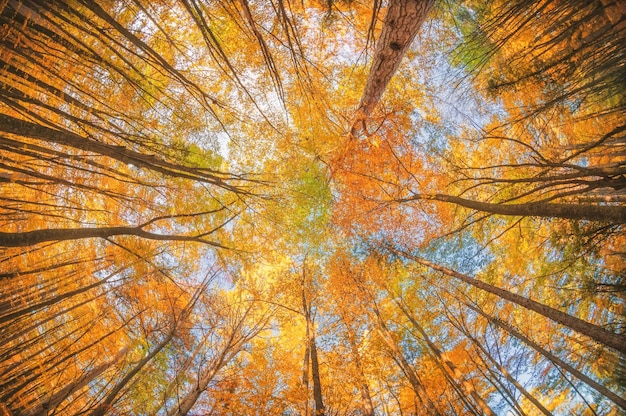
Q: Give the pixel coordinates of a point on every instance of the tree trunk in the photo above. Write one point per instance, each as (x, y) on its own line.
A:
(368, 407)
(403, 20)
(51, 301)
(320, 410)
(597, 333)
(509, 377)
(43, 408)
(446, 363)
(312, 349)
(589, 212)
(409, 372)
(122, 154)
(553, 358)
(107, 404)
(30, 238)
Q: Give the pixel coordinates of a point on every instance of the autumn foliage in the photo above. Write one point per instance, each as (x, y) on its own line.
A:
(312, 207)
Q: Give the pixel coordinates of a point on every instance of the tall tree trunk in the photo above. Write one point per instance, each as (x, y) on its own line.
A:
(107, 404)
(368, 407)
(51, 301)
(508, 375)
(43, 408)
(320, 410)
(595, 332)
(30, 238)
(589, 212)
(621, 402)
(312, 349)
(230, 350)
(403, 20)
(407, 369)
(186, 403)
(441, 358)
(122, 154)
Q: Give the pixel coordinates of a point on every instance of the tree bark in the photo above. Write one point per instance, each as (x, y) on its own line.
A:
(107, 404)
(446, 363)
(595, 332)
(553, 358)
(320, 410)
(30, 238)
(403, 20)
(122, 154)
(43, 408)
(589, 212)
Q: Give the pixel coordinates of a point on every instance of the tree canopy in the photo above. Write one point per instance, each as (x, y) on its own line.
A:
(338, 207)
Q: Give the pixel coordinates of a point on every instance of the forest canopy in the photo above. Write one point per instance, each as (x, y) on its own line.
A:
(307, 207)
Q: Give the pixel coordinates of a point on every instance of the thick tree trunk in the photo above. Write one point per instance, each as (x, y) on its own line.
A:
(553, 358)
(595, 332)
(403, 20)
(604, 213)
(30, 238)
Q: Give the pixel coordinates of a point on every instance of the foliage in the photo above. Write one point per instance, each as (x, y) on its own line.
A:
(199, 217)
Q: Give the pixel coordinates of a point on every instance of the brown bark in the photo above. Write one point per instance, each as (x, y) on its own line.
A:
(43, 408)
(595, 332)
(589, 212)
(122, 154)
(368, 407)
(30, 238)
(447, 364)
(553, 358)
(320, 410)
(403, 20)
(315, 375)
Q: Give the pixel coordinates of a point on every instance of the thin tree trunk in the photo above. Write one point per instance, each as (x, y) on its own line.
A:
(510, 378)
(122, 154)
(553, 358)
(595, 332)
(407, 369)
(441, 358)
(312, 349)
(57, 398)
(589, 212)
(231, 349)
(368, 407)
(320, 410)
(51, 301)
(107, 404)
